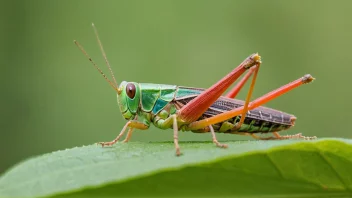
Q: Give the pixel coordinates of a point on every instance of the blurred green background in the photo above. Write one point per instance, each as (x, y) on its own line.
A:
(52, 98)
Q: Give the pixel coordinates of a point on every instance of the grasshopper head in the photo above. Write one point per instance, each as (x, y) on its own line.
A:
(128, 95)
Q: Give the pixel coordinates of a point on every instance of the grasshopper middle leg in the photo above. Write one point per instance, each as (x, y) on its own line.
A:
(167, 123)
(215, 141)
(173, 121)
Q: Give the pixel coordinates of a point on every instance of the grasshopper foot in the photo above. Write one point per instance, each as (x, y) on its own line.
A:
(178, 152)
(107, 143)
(277, 136)
(296, 136)
(125, 141)
(222, 145)
(218, 144)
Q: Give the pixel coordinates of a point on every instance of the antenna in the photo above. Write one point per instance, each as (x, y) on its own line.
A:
(95, 65)
(103, 52)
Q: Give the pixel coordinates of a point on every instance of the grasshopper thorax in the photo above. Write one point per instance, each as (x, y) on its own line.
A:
(128, 95)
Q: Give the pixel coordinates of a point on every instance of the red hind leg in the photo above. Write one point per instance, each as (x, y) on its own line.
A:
(234, 91)
(195, 108)
(256, 103)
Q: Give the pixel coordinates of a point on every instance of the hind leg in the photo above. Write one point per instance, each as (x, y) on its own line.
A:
(252, 105)
(196, 107)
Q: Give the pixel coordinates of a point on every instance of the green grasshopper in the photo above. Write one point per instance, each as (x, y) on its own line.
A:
(201, 110)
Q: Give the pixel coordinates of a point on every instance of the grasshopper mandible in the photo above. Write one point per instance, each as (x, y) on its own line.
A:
(201, 110)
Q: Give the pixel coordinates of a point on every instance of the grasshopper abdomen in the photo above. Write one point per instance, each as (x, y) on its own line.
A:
(259, 120)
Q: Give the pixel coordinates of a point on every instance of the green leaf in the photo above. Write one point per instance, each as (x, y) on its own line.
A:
(290, 168)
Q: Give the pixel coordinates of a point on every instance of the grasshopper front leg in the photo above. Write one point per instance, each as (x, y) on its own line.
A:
(133, 124)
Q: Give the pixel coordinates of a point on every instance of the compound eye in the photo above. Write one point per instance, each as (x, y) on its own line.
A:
(131, 90)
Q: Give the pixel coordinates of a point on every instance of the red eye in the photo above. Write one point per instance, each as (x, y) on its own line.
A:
(131, 90)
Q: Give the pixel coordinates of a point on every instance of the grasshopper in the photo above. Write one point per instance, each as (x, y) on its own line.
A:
(201, 110)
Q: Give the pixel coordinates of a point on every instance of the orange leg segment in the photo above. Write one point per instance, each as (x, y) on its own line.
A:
(234, 91)
(256, 103)
(245, 107)
(194, 109)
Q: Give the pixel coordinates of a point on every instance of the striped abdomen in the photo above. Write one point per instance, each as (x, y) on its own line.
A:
(258, 120)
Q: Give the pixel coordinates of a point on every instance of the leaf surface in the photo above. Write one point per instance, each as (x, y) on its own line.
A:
(289, 168)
